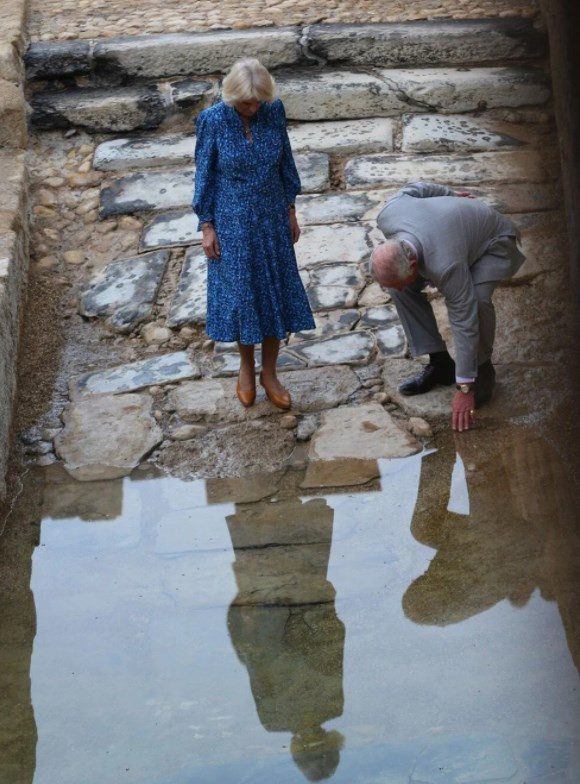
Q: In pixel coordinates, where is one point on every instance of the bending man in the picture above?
(464, 248)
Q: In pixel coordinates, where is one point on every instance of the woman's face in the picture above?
(247, 108)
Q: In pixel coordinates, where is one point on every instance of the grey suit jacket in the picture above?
(461, 242)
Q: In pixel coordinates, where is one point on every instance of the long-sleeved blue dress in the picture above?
(245, 187)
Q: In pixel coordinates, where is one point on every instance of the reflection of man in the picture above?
(284, 626)
(464, 248)
(489, 555)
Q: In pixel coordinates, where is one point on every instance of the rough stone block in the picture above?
(99, 110)
(427, 42)
(125, 290)
(50, 60)
(106, 437)
(349, 442)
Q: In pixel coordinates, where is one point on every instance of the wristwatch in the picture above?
(465, 388)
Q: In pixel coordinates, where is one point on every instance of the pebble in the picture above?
(307, 427)
(127, 223)
(158, 415)
(53, 182)
(420, 428)
(73, 257)
(187, 333)
(288, 421)
(381, 397)
(154, 335)
(47, 262)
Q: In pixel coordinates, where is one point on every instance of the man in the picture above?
(464, 248)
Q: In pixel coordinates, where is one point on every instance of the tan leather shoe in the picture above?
(245, 396)
(280, 401)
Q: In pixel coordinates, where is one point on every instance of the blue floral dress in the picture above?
(245, 187)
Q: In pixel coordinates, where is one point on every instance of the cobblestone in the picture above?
(64, 20)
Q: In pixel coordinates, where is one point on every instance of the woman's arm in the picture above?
(205, 174)
(288, 170)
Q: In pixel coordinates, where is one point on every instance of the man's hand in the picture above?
(294, 227)
(210, 242)
(465, 194)
(463, 407)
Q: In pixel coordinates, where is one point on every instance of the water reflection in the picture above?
(284, 626)
(517, 533)
(195, 631)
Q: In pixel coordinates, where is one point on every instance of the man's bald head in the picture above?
(394, 264)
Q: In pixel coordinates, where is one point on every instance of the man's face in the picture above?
(399, 285)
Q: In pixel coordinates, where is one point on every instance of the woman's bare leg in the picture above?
(247, 375)
(270, 349)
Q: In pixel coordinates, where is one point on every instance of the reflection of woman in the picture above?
(245, 187)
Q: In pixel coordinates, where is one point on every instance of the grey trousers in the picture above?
(419, 323)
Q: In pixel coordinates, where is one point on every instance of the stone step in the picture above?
(458, 133)
(523, 166)
(189, 301)
(118, 60)
(163, 190)
(334, 95)
(179, 228)
(307, 95)
(120, 110)
(344, 137)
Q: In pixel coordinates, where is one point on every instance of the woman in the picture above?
(245, 188)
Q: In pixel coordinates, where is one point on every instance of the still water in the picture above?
(421, 629)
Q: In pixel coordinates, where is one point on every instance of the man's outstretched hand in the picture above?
(463, 408)
(465, 194)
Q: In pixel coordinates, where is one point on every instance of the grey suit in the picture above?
(465, 249)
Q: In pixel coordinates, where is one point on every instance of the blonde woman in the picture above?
(245, 189)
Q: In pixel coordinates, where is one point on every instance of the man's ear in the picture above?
(414, 263)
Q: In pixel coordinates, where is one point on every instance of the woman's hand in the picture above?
(210, 242)
(294, 227)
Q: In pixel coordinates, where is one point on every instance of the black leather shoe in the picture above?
(427, 379)
(485, 383)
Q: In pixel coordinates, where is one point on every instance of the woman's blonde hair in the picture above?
(248, 80)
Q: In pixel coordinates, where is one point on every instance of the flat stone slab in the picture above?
(333, 243)
(215, 400)
(379, 316)
(450, 133)
(338, 275)
(331, 297)
(106, 437)
(328, 324)
(189, 303)
(339, 95)
(125, 290)
(171, 230)
(434, 41)
(494, 167)
(391, 340)
(335, 286)
(164, 369)
(343, 137)
(140, 152)
(227, 363)
(350, 440)
(351, 348)
(164, 190)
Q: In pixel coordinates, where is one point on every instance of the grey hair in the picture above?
(248, 80)
(399, 254)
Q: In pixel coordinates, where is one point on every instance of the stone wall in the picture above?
(563, 21)
(13, 210)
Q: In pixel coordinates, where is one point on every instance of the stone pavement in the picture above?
(114, 228)
(72, 19)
